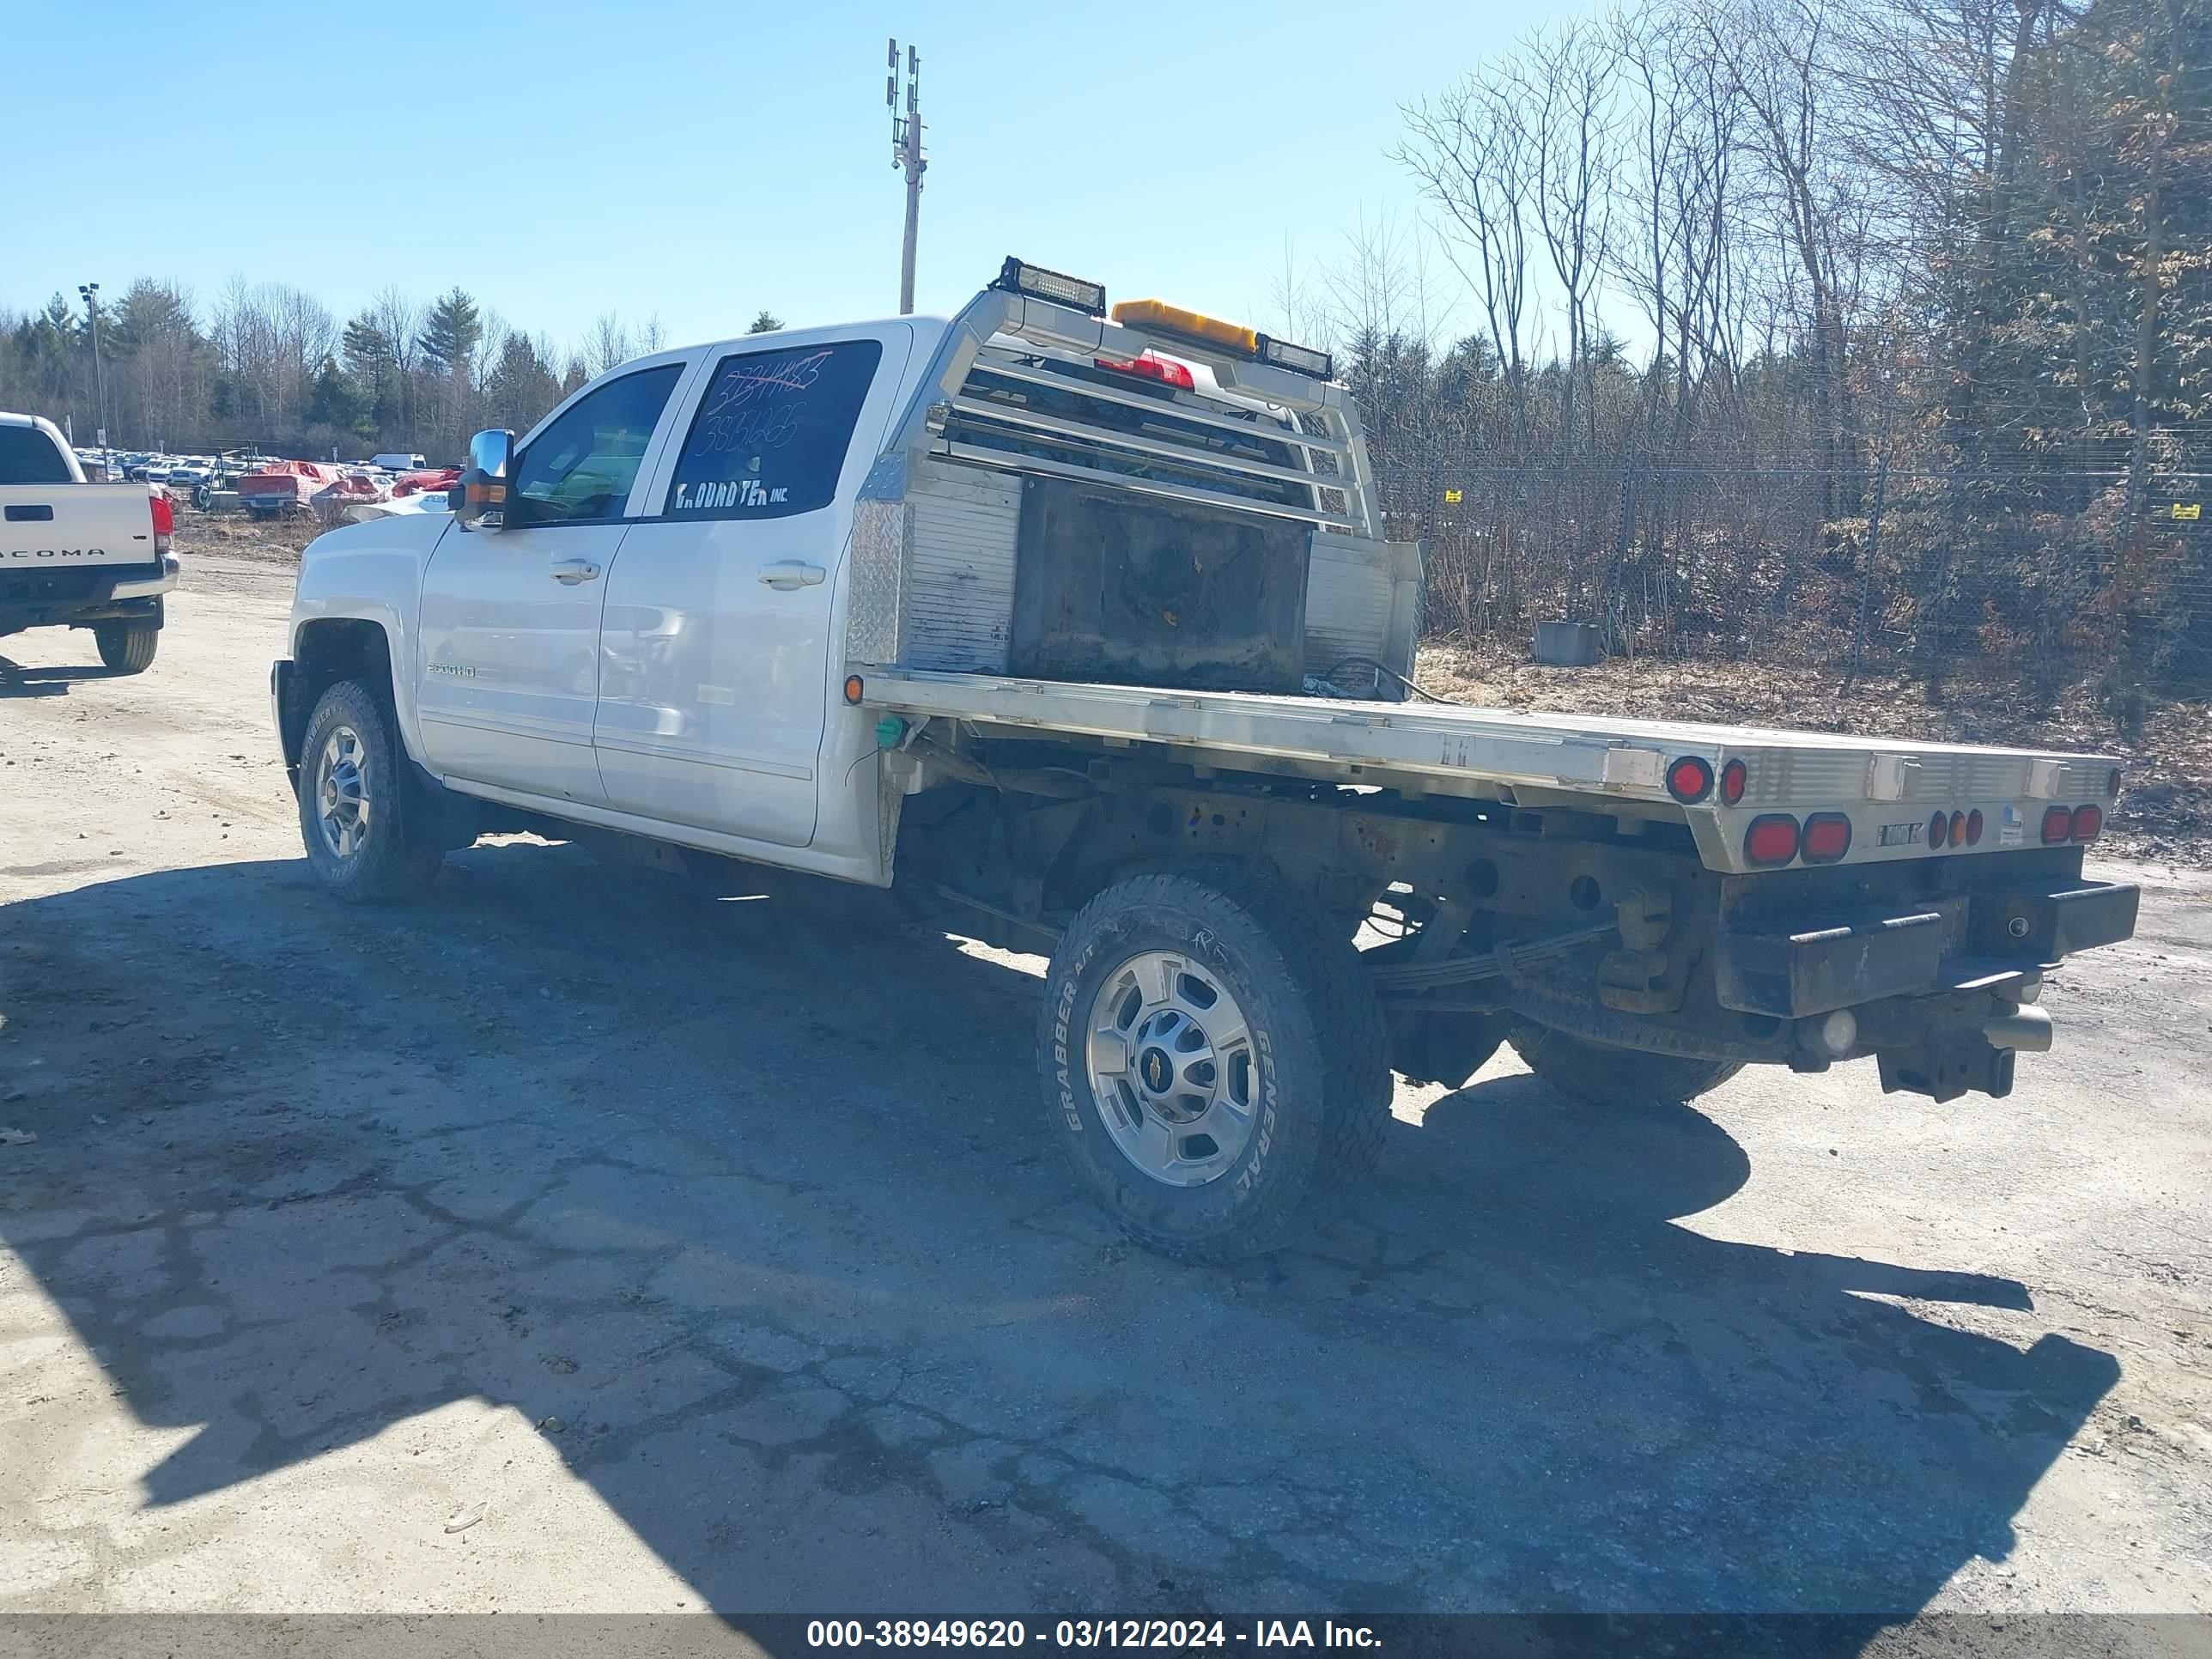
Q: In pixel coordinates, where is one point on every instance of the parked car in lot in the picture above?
(80, 554)
(1089, 625)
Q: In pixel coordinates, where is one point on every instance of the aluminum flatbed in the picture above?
(1891, 789)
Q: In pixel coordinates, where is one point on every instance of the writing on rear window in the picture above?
(771, 432)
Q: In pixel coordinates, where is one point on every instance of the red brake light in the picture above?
(165, 521)
(1689, 780)
(2088, 823)
(1827, 837)
(1153, 368)
(1734, 776)
(1974, 828)
(2057, 825)
(1772, 839)
(1939, 830)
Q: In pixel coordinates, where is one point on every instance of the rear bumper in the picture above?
(96, 594)
(1970, 941)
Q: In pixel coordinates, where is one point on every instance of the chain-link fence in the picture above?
(2041, 577)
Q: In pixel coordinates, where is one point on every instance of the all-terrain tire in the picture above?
(1319, 1058)
(127, 647)
(352, 749)
(1603, 1075)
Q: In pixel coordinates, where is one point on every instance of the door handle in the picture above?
(788, 574)
(572, 571)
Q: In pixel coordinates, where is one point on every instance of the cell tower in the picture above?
(906, 153)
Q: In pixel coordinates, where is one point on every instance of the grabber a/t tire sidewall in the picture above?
(395, 861)
(1320, 1051)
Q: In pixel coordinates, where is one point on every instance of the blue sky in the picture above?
(701, 161)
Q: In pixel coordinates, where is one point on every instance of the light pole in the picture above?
(906, 152)
(91, 293)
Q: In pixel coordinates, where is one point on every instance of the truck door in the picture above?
(510, 625)
(715, 647)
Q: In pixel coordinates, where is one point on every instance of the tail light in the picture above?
(1958, 829)
(165, 523)
(2088, 823)
(1772, 839)
(1827, 837)
(1153, 368)
(2057, 825)
(1974, 828)
(1939, 830)
(1689, 780)
(2113, 782)
(1734, 776)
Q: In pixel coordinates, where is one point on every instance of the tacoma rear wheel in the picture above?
(1604, 1075)
(354, 816)
(127, 647)
(1213, 1059)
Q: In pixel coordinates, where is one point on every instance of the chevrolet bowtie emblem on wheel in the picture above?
(1157, 1074)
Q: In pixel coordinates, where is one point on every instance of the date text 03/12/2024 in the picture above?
(944, 1634)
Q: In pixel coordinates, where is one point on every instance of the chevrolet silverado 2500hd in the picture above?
(1086, 621)
(78, 555)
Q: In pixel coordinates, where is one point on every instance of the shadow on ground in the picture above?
(744, 1194)
(20, 680)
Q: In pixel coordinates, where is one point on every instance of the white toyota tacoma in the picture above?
(78, 555)
(1083, 621)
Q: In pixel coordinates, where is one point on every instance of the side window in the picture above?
(582, 466)
(771, 433)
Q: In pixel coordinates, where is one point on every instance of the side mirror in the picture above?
(480, 503)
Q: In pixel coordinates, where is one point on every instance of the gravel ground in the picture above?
(577, 1240)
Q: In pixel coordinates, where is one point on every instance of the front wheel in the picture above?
(1602, 1075)
(354, 816)
(1215, 1064)
(127, 647)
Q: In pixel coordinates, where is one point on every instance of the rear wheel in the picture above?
(127, 647)
(354, 816)
(1604, 1075)
(1214, 1062)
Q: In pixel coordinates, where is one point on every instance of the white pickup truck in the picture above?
(1084, 623)
(78, 555)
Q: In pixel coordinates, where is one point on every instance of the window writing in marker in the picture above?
(772, 430)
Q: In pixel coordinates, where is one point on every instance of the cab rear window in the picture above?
(772, 430)
(28, 456)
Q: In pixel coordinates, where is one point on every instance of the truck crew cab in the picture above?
(1085, 621)
(78, 555)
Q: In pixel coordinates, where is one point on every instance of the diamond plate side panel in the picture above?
(880, 533)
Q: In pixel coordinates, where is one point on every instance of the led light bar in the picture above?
(1299, 359)
(1016, 278)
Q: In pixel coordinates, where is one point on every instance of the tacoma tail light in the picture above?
(2088, 823)
(1772, 839)
(165, 523)
(2057, 825)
